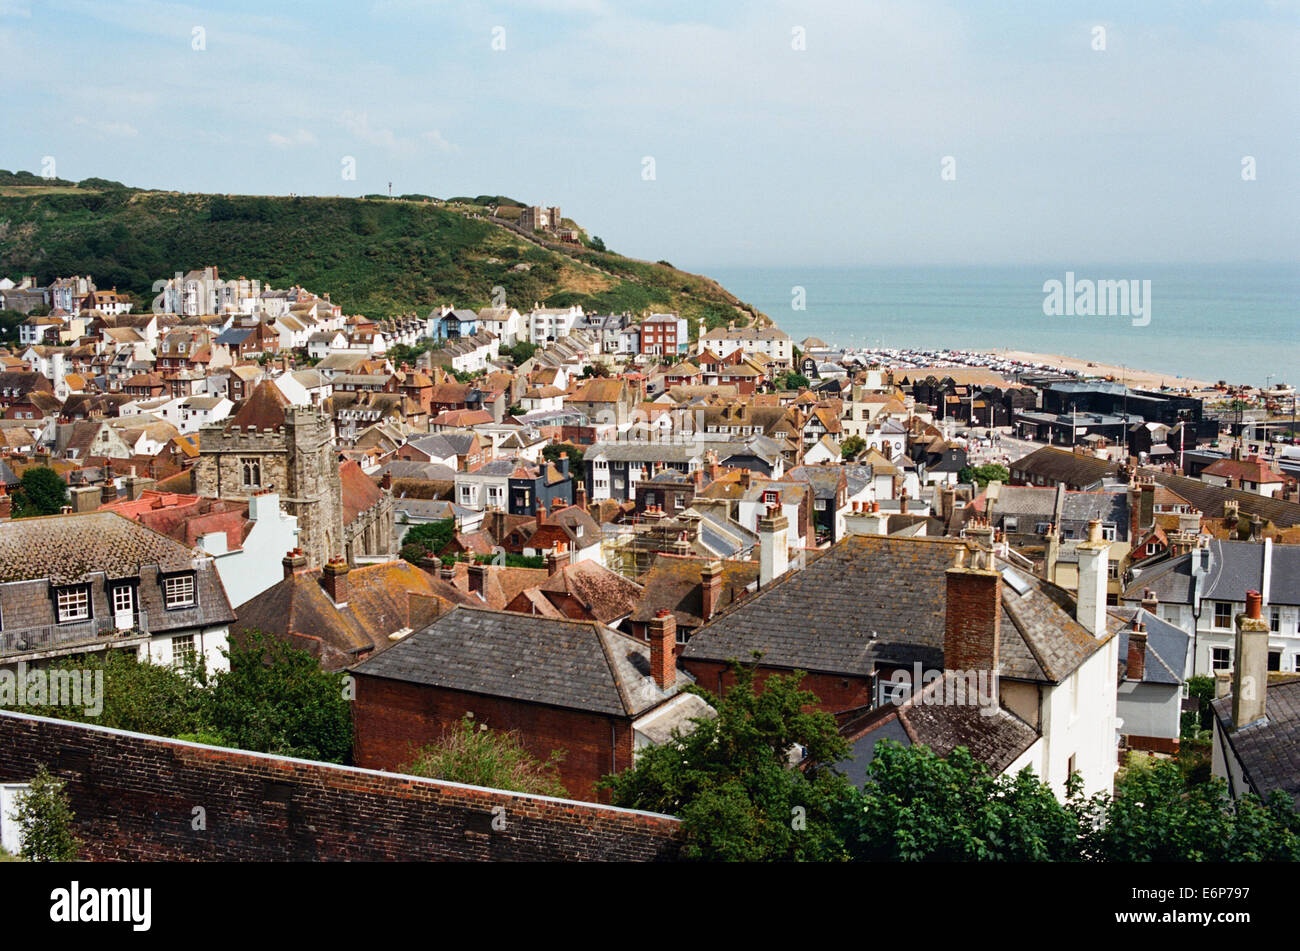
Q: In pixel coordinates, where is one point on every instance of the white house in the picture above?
(256, 564)
(504, 323)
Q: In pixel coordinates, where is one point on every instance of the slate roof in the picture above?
(1209, 500)
(930, 718)
(870, 599)
(382, 599)
(37, 553)
(1268, 751)
(1167, 645)
(674, 582)
(1235, 568)
(68, 549)
(576, 665)
(1061, 465)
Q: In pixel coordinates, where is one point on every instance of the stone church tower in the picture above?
(270, 444)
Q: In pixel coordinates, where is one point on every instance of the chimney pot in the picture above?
(334, 578)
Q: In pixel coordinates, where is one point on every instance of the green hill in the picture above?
(374, 256)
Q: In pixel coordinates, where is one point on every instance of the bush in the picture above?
(478, 756)
(45, 821)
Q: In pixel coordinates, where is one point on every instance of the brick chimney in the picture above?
(1137, 652)
(1149, 601)
(107, 493)
(902, 503)
(663, 648)
(1250, 672)
(6, 505)
(334, 579)
(294, 562)
(558, 560)
(710, 589)
(386, 481)
(972, 615)
(475, 578)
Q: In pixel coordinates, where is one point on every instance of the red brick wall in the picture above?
(837, 693)
(391, 719)
(973, 620)
(134, 798)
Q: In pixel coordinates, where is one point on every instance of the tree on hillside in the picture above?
(45, 820)
(730, 779)
(597, 244)
(478, 756)
(42, 493)
(790, 380)
(852, 446)
(992, 472)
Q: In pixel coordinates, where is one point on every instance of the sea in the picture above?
(1233, 322)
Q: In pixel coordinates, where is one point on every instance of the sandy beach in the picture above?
(1139, 379)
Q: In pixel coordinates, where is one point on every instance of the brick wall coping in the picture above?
(321, 764)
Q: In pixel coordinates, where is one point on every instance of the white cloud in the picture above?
(111, 129)
(300, 137)
(358, 125)
(435, 138)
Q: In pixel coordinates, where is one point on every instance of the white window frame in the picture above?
(184, 650)
(121, 604)
(179, 591)
(75, 599)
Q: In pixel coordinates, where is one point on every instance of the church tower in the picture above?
(270, 444)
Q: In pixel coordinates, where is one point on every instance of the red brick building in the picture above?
(560, 684)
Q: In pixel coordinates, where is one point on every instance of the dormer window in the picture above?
(178, 591)
(73, 604)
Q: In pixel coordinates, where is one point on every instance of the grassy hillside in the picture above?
(373, 255)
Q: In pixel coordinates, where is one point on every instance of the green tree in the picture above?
(852, 446)
(730, 779)
(427, 539)
(918, 806)
(42, 492)
(521, 352)
(597, 244)
(496, 759)
(552, 452)
(45, 820)
(992, 472)
(1156, 817)
(276, 699)
(790, 380)
(138, 696)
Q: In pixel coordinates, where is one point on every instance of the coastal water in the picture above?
(1234, 322)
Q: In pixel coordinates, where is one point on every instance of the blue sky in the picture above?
(763, 154)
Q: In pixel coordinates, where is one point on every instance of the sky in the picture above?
(710, 134)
